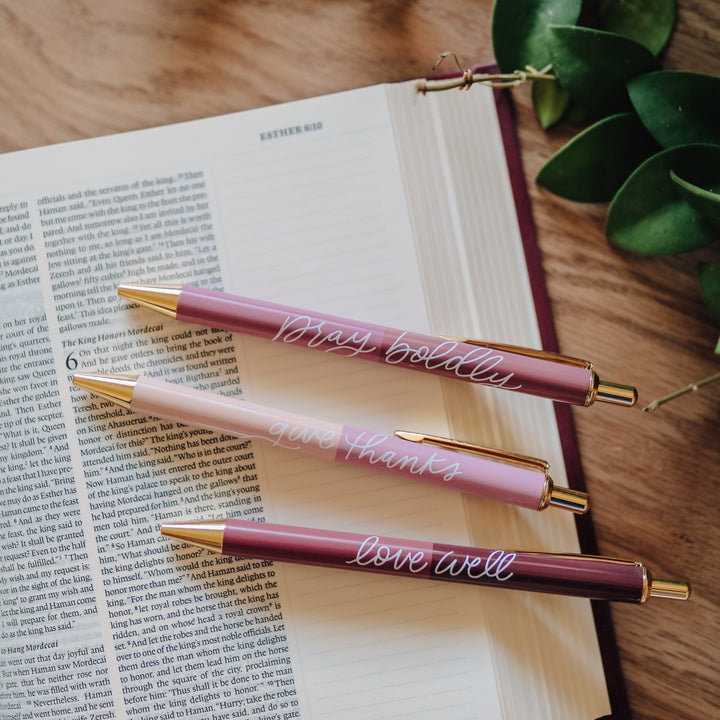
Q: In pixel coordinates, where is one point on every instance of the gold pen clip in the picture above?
(528, 352)
(566, 498)
(507, 456)
(598, 390)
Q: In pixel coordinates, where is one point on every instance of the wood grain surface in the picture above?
(73, 69)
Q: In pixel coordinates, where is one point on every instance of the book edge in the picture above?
(605, 631)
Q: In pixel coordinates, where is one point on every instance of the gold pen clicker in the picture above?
(552, 496)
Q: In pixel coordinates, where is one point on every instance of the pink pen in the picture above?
(504, 477)
(561, 574)
(503, 366)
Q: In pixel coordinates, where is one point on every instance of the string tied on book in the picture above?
(522, 76)
(467, 77)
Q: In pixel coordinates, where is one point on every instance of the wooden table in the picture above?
(74, 69)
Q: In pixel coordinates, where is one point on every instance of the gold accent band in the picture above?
(117, 388)
(161, 298)
(612, 393)
(206, 534)
(568, 499)
(671, 589)
(616, 394)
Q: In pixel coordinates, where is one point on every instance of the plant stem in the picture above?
(683, 391)
(468, 78)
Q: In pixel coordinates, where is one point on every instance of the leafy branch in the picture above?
(652, 148)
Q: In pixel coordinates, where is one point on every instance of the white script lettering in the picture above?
(372, 552)
(297, 435)
(370, 448)
(492, 567)
(476, 364)
(312, 333)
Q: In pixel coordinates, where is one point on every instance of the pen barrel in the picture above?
(463, 472)
(573, 575)
(235, 417)
(349, 338)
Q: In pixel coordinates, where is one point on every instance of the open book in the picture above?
(379, 204)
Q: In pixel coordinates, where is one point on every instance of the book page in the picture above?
(301, 204)
(476, 282)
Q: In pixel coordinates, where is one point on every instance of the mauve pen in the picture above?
(577, 575)
(503, 366)
(518, 483)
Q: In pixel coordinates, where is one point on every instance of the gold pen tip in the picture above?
(117, 388)
(161, 298)
(206, 534)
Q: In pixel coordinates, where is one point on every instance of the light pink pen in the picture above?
(502, 366)
(525, 483)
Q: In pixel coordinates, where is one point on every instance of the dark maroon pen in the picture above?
(577, 575)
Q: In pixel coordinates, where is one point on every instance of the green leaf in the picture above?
(594, 66)
(705, 202)
(550, 100)
(520, 34)
(709, 276)
(678, 107)
(649, 22)
(595, 163)
(649, 215)
(577, 115)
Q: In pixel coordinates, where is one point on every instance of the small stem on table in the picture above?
(683, 391)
